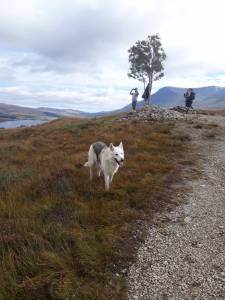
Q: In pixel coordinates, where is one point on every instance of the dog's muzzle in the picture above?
(120, 163)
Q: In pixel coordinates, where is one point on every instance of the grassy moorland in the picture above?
(62, 237)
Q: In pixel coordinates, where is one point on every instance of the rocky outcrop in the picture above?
(149, 113)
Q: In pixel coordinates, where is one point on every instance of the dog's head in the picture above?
(117, 153)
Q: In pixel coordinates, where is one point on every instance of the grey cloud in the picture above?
(72, 34)
(86, 101)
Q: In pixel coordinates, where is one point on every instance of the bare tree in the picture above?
(146, 60)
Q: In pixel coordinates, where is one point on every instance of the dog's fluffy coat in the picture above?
(106, 159)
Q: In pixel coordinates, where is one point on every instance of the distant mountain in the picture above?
(10, 112)
(216, 100)
(13, 112)
(210, 97)
(57, 112)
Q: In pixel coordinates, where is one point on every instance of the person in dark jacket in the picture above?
(145, 95)
(189, 96)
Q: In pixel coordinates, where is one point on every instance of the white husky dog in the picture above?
(106, 160)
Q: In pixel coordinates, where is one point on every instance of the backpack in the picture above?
(192, 96)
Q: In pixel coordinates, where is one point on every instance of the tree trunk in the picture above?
(149, 89)
(144, 83)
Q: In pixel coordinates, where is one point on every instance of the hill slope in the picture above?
(71, 113)
(184, 257)
(10, 112)
(62, 237)
(13, 112)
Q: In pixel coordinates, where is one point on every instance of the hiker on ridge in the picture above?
(134, 93)
(189, 96)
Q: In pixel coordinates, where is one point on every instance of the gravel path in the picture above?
(186, 260)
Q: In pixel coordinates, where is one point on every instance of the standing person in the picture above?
(189, 96)
(145, 95)
(134, 93)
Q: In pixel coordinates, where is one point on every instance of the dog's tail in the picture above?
(91, 158)
(87, 164)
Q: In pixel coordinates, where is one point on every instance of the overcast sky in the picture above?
(73, 53)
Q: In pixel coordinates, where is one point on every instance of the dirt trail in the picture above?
(186, 260)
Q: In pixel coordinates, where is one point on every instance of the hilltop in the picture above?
(209, 97)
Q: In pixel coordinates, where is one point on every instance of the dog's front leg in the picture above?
(111, 178)
(91, 173)
(99, 171)
(107, 181)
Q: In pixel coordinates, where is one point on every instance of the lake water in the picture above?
(18, 123)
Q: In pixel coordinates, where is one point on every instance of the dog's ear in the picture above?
(121, 145)
(111, 147)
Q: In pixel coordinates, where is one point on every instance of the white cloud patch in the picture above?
(74, 53)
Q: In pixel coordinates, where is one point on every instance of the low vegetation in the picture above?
(62, 237)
